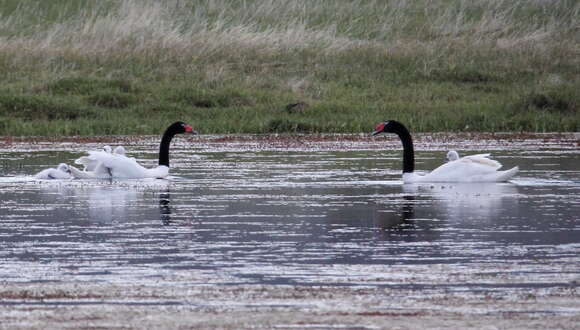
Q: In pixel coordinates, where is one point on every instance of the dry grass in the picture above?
(185, 31)
(304, 50)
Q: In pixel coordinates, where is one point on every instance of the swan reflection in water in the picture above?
(165, 208)
(110, 205)
(460, 201)
(450, 202)
(397, 220)
(110, 202)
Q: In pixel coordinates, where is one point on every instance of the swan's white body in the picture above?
(62, 172)
(117, 166)
(475, 168)
(464, 170)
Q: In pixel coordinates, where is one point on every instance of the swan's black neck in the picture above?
(408, 152)
(165, 142)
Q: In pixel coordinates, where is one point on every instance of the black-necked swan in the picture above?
(119, 166)
(61, 172)
(453, 171)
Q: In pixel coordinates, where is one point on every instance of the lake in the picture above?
(302, 210)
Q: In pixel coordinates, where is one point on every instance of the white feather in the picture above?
(59, 173)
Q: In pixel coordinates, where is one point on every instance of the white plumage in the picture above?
(93, 166)
(474, 168)
(117, 166)
(61, 172)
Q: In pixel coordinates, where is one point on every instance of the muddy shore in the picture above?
(162, 305)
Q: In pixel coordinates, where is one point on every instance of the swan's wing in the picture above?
(88, 163)
(97, 174)
(482, 159)
(102, 171)
(78, 174)
(91, 161)
(458, 171)
(497, 176)
(119, 166)
(506, 175)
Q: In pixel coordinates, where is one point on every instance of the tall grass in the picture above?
(234, 66)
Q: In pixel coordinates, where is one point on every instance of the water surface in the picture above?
(245, 212)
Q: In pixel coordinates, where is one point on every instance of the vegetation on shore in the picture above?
(227, 66)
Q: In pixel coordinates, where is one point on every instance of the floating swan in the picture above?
(118, 166)
(61, 172)
(477, 168)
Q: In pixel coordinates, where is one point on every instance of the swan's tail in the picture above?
(506, 175)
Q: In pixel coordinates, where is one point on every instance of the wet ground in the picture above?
(292, 232)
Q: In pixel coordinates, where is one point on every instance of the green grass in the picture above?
(132, 67)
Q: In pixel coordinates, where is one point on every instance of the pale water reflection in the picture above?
(313, 217)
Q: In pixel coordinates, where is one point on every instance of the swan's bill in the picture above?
(189, 130)
(380, 128)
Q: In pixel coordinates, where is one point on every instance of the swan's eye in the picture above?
(380, 127)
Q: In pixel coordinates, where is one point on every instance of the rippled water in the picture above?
(319, 213)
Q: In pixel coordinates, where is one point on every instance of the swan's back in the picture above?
(460, 169)
(482, 159)
(117, 165)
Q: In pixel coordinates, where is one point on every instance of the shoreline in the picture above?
(571, 139)
(93, 305)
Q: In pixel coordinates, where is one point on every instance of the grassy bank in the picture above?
(228, 66)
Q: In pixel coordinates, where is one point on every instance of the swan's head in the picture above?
(63, 168)
(107, 149)
(390, 126)
(180, 127)
(452, 155)
(120, 150)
